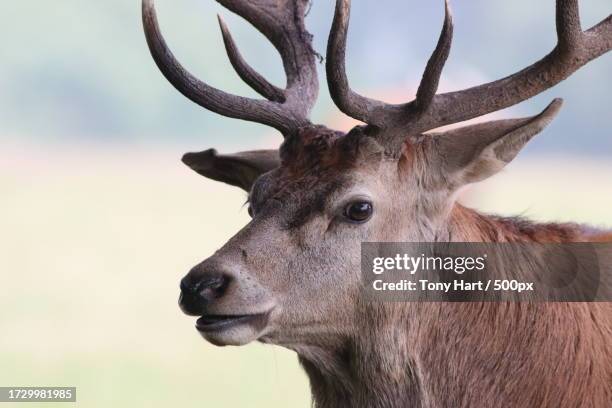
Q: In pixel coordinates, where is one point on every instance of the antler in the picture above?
(575, 48)
(282, 22)
(368, 110)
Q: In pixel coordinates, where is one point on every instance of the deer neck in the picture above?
(467, 225)
(381, 364)
(363, 373)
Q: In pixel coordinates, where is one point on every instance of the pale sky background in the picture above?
(79, 70)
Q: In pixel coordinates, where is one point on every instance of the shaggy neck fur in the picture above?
(472, 354)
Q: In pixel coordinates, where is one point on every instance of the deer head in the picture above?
(291, 276)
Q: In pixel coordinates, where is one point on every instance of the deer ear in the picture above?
(239, 169)
(474, 153)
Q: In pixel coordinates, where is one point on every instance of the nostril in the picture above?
(213, 286)
(202, 286)
(206, 285)
(198, 290)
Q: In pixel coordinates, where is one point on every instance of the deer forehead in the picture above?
(295, 198)
(320, 173)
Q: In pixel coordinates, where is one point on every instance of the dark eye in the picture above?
(359, 211)
(250, 211)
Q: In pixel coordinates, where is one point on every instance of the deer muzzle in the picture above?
(232, 308)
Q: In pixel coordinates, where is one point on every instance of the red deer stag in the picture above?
(291, 276)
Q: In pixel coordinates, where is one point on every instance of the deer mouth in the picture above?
(214, 323)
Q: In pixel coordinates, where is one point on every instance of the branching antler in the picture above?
(282, 22)
(369, 110)
(575, 48)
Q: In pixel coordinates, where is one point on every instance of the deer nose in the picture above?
(199, 288)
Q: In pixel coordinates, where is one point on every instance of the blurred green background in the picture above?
(99, 220)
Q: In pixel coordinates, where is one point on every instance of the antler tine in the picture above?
(431, 77)
(282, 22)
(372, 111)
(354, 105)
(575, 48)
(246, 72)
(569, 30)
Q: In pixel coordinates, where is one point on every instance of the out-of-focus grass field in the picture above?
(92, 250)
(94, 241)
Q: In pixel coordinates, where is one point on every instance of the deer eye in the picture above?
(359, 211)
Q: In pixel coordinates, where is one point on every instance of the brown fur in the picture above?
(291, 276)
(359, 353)
(476, 354)
(425, 354)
